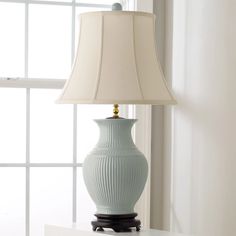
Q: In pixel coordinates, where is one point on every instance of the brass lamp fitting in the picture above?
(116, 111)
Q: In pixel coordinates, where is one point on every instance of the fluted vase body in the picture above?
(115, 171)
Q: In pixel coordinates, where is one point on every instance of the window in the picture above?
(43, 144)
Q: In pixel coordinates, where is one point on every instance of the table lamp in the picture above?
(116, 63)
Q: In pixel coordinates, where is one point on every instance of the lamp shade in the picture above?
(116, 61)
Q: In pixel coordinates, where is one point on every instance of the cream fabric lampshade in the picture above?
(116, 61)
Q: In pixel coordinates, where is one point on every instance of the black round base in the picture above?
(119, 223)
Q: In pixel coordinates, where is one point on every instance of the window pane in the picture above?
(12, 125)
(49, 41)
(87, 131)
(12, 201)
(51, 198)
(51, 127)
(85, 206)
(12, 17)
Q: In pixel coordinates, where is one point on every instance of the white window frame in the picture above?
(142, 133)
(143, 136)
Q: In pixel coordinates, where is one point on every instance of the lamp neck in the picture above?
(115, 133)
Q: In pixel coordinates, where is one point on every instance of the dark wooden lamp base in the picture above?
(119, 223)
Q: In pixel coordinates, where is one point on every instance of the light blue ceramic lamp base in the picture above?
(115, 171)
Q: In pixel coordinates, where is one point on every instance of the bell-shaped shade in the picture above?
(116, 61)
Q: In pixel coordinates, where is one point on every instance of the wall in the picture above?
(203, 200)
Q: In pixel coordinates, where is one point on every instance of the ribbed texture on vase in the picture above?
(115, 171)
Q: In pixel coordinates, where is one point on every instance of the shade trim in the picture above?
(146, 102)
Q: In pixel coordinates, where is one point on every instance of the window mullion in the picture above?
(30, 165)
(74, 209)
(32, 83)
(27, 199)
(74, 190)
(59, 3)
(27, 214)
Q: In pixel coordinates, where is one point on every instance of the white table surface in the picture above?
(81, 230)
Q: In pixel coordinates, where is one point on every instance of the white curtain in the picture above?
(203, 149)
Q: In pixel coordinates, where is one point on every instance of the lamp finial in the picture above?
(116, 7)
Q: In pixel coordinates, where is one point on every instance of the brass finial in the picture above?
(116, 111)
